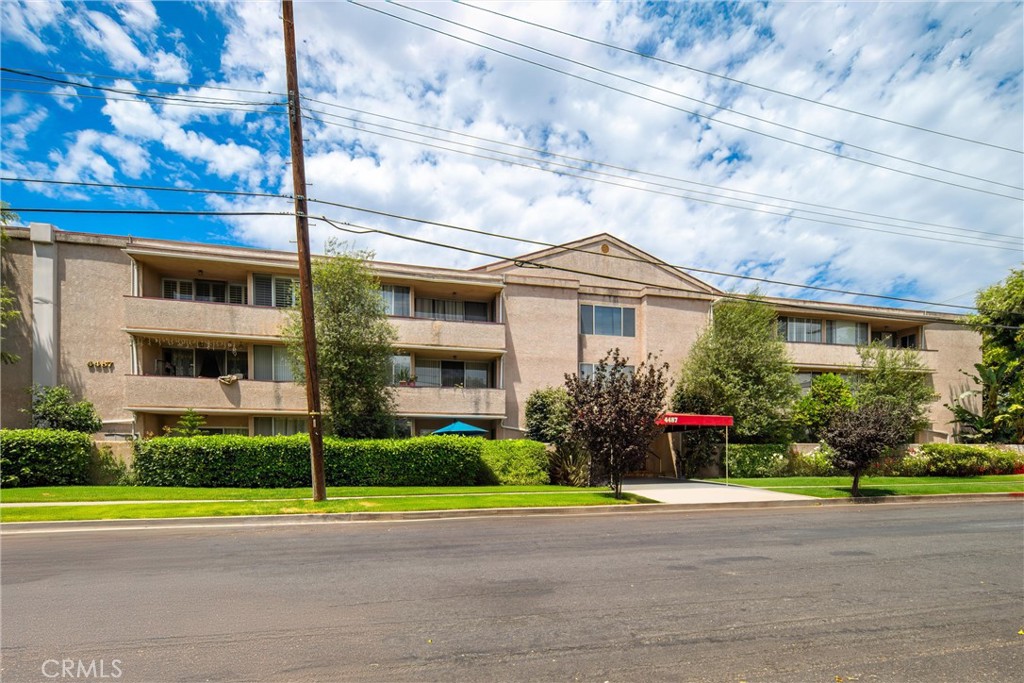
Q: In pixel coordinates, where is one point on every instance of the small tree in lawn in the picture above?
(613, 415)
(863, 435)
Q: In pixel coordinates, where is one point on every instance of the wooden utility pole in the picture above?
(316, 436)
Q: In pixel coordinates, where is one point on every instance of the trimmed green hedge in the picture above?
(518, 462)
(44, 457)
(951, 460)
(758, 460)
(283, 461)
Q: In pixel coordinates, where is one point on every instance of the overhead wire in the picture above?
(694, 113)
(737, 81)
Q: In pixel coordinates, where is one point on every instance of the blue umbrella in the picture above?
(460, 429)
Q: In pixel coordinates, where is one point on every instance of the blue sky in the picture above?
(637, 147)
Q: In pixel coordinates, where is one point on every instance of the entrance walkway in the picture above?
(695, 491)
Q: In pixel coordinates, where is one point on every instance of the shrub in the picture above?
(56, 408)
(283, 461)
(758, 460)
(817, 463)
(569, 465)
(518, 462)
(44, 457)
(963, 460)
(547, 415)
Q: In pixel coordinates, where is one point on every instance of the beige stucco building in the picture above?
(146, 329)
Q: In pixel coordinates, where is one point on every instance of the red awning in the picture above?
(674, 420)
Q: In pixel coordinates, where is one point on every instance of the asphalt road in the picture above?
(930, 592)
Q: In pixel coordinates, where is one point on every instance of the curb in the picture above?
(14, 528)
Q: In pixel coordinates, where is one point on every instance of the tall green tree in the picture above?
(8, 304)
(898, 375)
(354, 345)
(991, 406)
(613, 415)
(829, 395)
(738, 366)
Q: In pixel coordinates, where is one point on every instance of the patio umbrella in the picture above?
(460, 429)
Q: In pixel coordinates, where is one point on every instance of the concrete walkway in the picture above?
(695, 491)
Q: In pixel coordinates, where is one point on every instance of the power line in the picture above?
(136, 79)
(1000, 239)
(995, 242)
(183, 103)
(687, 111)
(748, 84)
(485, 233)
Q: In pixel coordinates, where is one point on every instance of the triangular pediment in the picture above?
(602, 261)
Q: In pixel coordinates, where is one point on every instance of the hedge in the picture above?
(44, 457)
(283, 461)
(758, 460)
(518, 462)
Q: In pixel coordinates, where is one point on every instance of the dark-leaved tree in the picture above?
(862, 435)
(613, 413)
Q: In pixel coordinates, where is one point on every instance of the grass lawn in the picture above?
(393, 503)
(63, 494)
(839, 487)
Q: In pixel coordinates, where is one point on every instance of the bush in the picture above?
(56, 408)
(44, 457)
(516, 463)
(569, 465)
(758, 460)
(962, 460)
(283, 461)
(817, 463)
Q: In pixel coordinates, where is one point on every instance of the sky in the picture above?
(869, 147)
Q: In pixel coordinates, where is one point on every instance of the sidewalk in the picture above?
(695, 491)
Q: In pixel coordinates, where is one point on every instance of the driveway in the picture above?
(695, 491)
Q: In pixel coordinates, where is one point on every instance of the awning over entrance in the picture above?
(674, 421)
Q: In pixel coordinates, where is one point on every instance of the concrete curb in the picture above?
(12, 528)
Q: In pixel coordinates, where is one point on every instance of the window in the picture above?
(845, 332)
(274, 290)
(178, 289)
(800, 329)
(396, 299)
(209, 290)
(203, 363)
(271, 364)
(237, 431)
(285, 426)
(614, 321)
(587, 370)
(884, 338)
(446, 309)
(401, 368)
(453, 373)
(238, 294)
(403, 428)
(908, 341)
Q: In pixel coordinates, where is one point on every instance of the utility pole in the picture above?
(316, 437)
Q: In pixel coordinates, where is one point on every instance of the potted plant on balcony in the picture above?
(406, 378)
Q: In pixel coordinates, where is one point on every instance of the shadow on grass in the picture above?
(867, 494)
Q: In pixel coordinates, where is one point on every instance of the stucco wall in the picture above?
(956, 348)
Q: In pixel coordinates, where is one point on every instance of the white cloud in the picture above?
(65, 96)
(169, 67)
(24, 21)
(104, 35)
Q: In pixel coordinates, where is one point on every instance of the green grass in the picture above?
(146, 510)
(839, 487)
(62, 494)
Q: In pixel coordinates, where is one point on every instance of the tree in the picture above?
(56, 408)
(738, 366)
(899, 375)
(862, 435)
(354, 345)
(8, 305)
(190, 423)
(999, 417)
(547, 415)
(613, 415)
(829, 395)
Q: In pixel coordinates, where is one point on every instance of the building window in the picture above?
(396, 300)
(612, 321)
(800, 329)
(271, 364)
(908, 341)
(886, 339)
(205, 290)
(845, 332)
(274, 290)
(447, 309)
(178, 289)
(275, 426)
(203, 363)
(453, 373)
(403, 428)
(401, 369)
(587, 370)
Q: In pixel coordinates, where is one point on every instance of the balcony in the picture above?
(838, 357)
(449, 401)
(160, 394)
(201, 318)
(448, 334)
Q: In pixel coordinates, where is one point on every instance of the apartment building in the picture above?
(147, 328)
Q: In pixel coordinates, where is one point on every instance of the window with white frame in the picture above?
(216, 291)
(846, 332)
(401, 368)
(613, 321)
(396, 300)
(453, 373)
(800, 329)
(274, 290)
(587, 370)
(283, 426)
(270, 363)
(181, 290)
(448, 309)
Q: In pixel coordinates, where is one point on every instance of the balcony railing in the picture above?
(423, 332)
(837, 356)
(420, 400)
(159, 393)
(200, 317)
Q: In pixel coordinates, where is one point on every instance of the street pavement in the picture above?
(694, 492)
(915, 592)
